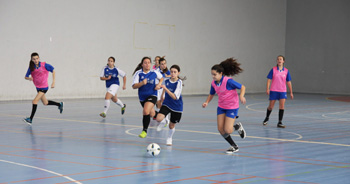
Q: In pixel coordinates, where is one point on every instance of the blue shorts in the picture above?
(277, 95)
(232, 113)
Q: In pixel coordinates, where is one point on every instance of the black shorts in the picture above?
(175, 117)
(152, 99)
(42, 90)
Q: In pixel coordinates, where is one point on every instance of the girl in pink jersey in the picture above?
(39, 72)
(278, 77)
(228, 102)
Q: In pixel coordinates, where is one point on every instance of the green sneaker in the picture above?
(143, 134)
(103, 114)
(123, 109)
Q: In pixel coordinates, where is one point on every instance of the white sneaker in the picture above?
(160, 126)
(241, 130)
(169, 141)
(166, 122)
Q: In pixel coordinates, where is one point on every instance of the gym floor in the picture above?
(78, 146)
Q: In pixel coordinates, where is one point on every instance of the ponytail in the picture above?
(229, 67)
(139, 66)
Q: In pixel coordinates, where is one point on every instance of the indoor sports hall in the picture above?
(79, 146)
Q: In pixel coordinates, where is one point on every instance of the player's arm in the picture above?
(27, 76)
(241, 95)
(268, 86)
(209, 98)
(53, 79)
(289, 84)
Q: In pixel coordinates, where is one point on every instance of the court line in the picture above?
(190, 131)
(52, 172)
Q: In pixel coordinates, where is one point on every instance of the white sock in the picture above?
(168, 118)
(120, 103)
(107, 103)
(171, 133)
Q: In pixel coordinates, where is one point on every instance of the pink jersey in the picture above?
(40, 76)
(279, 79)
(228, 99)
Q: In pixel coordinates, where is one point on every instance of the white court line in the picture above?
(192, 131)
(340, 112)
(248, 107)
(52, 172)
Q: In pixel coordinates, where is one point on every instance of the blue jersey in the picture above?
(176, 88)
(114, 72)
(148, 89)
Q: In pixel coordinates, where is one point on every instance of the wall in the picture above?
(317, 45)
(77, 37)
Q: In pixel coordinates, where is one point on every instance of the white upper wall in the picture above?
(78, 36)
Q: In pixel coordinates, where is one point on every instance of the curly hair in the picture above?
(229, 67)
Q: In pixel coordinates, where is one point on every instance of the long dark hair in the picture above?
(31, 63)
(139, 66)
(229, 67)
(165, 69)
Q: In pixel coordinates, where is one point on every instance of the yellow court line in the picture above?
(192, 131)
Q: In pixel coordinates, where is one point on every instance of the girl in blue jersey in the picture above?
(163, 69)
(39, 72)
(172, 102)
(110, 74)
(228, 102)
(144, 80)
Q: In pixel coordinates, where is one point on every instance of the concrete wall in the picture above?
(318, 45)
(77, 37)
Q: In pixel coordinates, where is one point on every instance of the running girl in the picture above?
(278, 77)
(228, 102)
(110, 74)
(39, 72)
(163, 69)
(172, 102)
(144, 80)
(156, 63)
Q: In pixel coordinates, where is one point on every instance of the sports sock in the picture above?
(229, 140)
(33, 111)
(107, 103)
(268, 112)
(280, 115)
(145, 121)
(53, 103)
(119, 103)
(155, 116)
(171, 133)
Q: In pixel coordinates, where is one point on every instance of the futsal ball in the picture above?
(153, 149)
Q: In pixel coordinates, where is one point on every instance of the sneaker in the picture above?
(241, 130)
(28, 120)
(232, 149)
(143, 134)
(281, 125)
(160, 126)
(61, 107)
(265, 121)
(103, 115)
(123, 109)
(166, 122)
(169, 141)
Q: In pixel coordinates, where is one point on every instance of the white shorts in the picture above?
(113, 89)
(160, 91)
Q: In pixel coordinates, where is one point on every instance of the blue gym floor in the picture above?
(79, 146)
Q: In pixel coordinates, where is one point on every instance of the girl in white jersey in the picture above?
(110, 74)
(172, 102)
(278, 77)
(144, 80)
(228, 103)
(39, 72)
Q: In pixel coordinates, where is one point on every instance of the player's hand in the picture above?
(243, 100)
(53, 85)
(144, 82)
(163, 86)
(124, 87)
(205, 104)
(268, 92)
(109, 77)
(291, 96)
(157, 87)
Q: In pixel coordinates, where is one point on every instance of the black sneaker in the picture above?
(232, 149)
(265, 121)
(28, 120)
(281, 125)
(241, 130)
(61, 107)
(123, 109)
